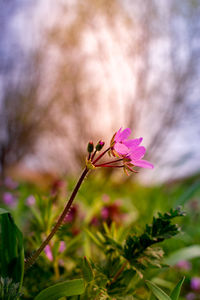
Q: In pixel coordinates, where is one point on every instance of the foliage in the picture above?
(66, 288)
(8, 289)
(11, 249)
(114, 275)
(106, 240)
(161, 295)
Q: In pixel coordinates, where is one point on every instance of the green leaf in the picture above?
(87, 270)
(176, 291)
(95, 238)
(11, 249)
(160, 294)
(183, 254)
(163, 283)
(66, 288)
(188, 194)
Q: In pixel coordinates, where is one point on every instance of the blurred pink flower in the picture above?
(110, 212)
(58, 188)
(9, 199)
(30, 200)
(62, 246)
(184, 265)
(10, 183)
(190, 296)
(195, 283)
(129, 149)
(95, 222)
(105, 213)
(105, 198)
(48, 252)
(73, 213)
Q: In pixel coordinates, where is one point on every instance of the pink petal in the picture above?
(116, 139)
(62, 246)
(124, 134)
(48, 252)
(143, 164)
(121, 149)
(133, 143)
(137, 153)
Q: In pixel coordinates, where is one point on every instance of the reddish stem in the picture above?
(109, 162)
(131, 169)
(119, 272)
(32, 259)
(108, 166)
(100, 156)
(93, 155)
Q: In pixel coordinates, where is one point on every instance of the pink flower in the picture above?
(62, 246)
(122, 145)
(30, 200)
(105, 213)
(190, 296)
(129, 150)
(48, 252)
(9, 199)
(195, 283)
(10, 183)
(184, 265)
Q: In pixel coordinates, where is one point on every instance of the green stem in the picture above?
(30, 261)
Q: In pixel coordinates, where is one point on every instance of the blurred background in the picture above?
(72, 71)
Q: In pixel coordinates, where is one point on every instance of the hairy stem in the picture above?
(119, 272)
(30, 261)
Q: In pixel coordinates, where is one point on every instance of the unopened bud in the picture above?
(100, 145)
(90, 147)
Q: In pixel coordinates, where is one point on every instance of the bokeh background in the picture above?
(72, 71)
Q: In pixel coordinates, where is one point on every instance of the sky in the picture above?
(108, 50)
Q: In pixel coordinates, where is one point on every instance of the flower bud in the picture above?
(90, 147)
(100, 145)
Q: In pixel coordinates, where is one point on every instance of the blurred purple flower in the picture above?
(9, 199)
(10, 183)
(110, 212)
(184, 265)
(62, 246)
(48, 252)
(195, 283)
(58, 188)
(95, 222)
(106, 198)
(72, 214)
(190, 296)
(105, 213)
(30, 200)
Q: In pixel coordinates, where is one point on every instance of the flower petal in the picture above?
(143, 164)
(121, 149)
(125, 134)
(133, 143)
(121, 136)
(137, 153)
(116, 138)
